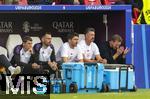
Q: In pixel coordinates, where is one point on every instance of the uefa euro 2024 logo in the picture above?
(26, 27)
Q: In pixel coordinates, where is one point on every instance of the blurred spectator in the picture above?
(1, 1)
(123, 2)
(106, 2)
(92, 2)
(120, 2)
(23, 2)
(8, 2)
(136, 5)
(11, 1)
(44, 2)
(144, 7)
(75, 2)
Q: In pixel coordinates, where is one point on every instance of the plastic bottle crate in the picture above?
(111, 79)
(88, 77)
(73, 72)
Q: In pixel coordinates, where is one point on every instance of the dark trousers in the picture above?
(4, 61)
(44, 69)
(47, 70)
(28, 70)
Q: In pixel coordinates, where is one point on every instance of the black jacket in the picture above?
(15, 61)
(35, 56)
(107, 52)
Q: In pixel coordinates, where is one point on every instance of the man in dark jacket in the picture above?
(44, 55)
(22, 54)
(112, 51)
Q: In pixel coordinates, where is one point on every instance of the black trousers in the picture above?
(4, 61)
(47, 70)
(44, 69)
(28, 70)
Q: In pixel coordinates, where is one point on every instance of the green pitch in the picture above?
(140, 94)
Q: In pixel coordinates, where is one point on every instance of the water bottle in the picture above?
(51, 86)
(57, 88)
(63, 86)
(73, 88)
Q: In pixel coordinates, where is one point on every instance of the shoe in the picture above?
(14, 70)
(17, 70)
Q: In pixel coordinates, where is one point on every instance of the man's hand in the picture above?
(53, 65)
(104, 61)
(35, 66)
(125, 52)
(31, 50)
(120, 50)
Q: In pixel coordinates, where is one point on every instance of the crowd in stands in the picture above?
(136, 4)
(75, 2)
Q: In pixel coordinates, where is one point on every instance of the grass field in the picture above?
(140, 94)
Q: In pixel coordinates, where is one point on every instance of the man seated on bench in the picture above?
(22, 54)
(70, 51)
(89, 48)
(113, 51)
(44, 56)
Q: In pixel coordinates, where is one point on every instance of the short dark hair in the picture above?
(45, 34)
(26, 38)
(71, 35)
(87, 30)
(116, 37)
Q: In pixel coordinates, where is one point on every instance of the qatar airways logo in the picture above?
(63, 26)
(6, 27)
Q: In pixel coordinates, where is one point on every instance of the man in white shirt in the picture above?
(70, 51)
(89, 48)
